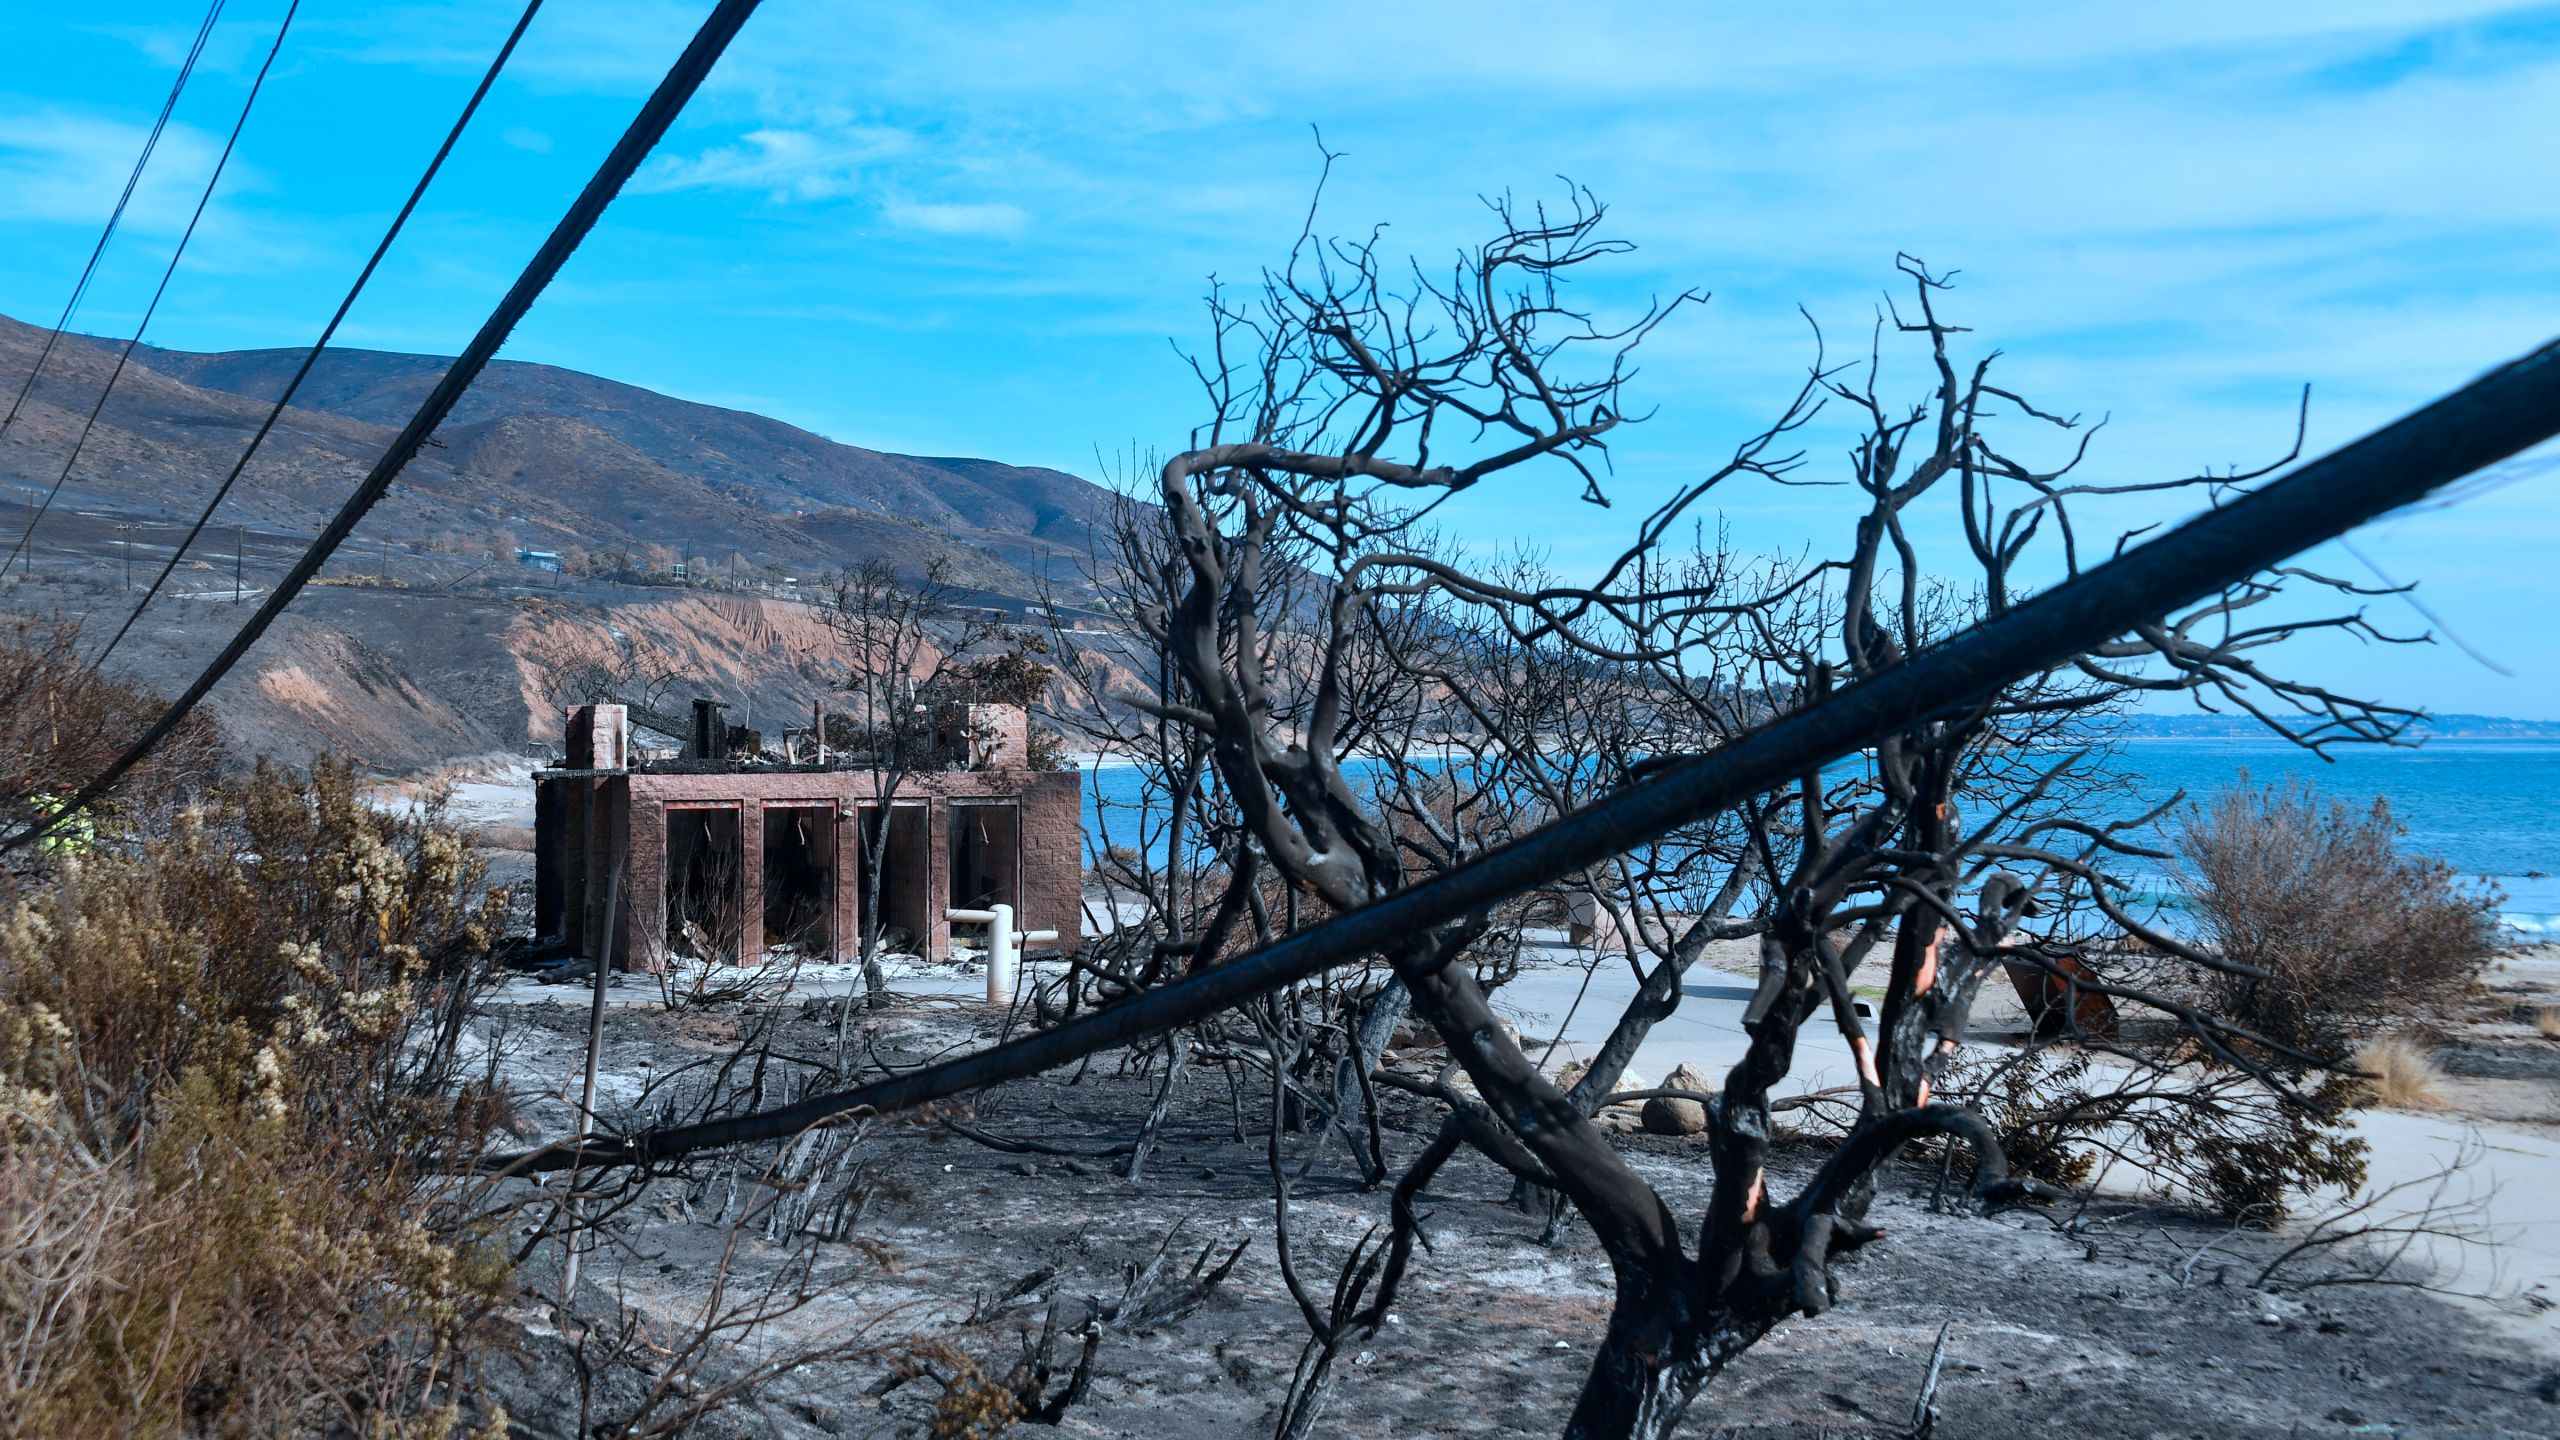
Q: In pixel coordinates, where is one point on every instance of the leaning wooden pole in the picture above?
(2496, 416)
(602, 961)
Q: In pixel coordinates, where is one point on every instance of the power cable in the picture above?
(312, 356)
(646, 129)
(168, 273)
(151, 142)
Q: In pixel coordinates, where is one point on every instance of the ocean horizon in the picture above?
(2487, 806)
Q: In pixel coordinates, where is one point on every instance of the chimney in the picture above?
(710, 732)
(982, 736)
(598, 737)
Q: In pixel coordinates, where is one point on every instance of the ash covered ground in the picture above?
(934, 1259)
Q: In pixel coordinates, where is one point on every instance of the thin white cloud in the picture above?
(61, 166)
(612, 47)
(780, 162)
(955, 219)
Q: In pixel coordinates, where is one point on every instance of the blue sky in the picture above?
(975, 229)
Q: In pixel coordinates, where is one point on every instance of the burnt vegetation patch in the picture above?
(979, 1239)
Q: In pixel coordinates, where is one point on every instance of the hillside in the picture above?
(550, 419)
(2243, 727)
(422, 639)
(538, 456)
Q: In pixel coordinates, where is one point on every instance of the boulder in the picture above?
(1573, 1071)
(1666, 1115)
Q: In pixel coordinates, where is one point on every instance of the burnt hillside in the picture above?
(424, 638)
(535, 455)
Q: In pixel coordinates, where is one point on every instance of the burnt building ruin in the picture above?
(729, 852)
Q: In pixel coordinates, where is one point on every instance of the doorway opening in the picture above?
(705, 882)
(800, 880)
(985, 853)
(901, 842)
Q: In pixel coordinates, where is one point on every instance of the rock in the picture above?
(1664, 1115)
(1411, 1034)
(1573, 1071)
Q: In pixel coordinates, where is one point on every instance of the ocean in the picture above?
(2488, 807)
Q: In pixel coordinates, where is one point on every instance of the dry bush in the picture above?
(974, 1405)
(2040, 1100)
(2546, 1022)
(225, 1057)
(66, 723)
(2350, 932)
(2199, 1128)
(688, 982)
(1122, 862)
(500, 837)
(2399, 1074)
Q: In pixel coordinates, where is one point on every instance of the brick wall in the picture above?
(1004, 737)
(644, 886)
(983, 737)
(597, 737)
(1050, 893)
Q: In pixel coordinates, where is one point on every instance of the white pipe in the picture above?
(1000, 957)
(1004, 947)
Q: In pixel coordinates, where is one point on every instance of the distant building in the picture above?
(540, 560)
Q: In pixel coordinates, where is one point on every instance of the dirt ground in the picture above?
(2122, 1318)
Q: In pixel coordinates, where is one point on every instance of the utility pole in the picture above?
(32, 512)
(124, 537)
(239, 539)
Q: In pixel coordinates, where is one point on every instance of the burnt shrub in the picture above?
(2350, 932)
(2244, 1145)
